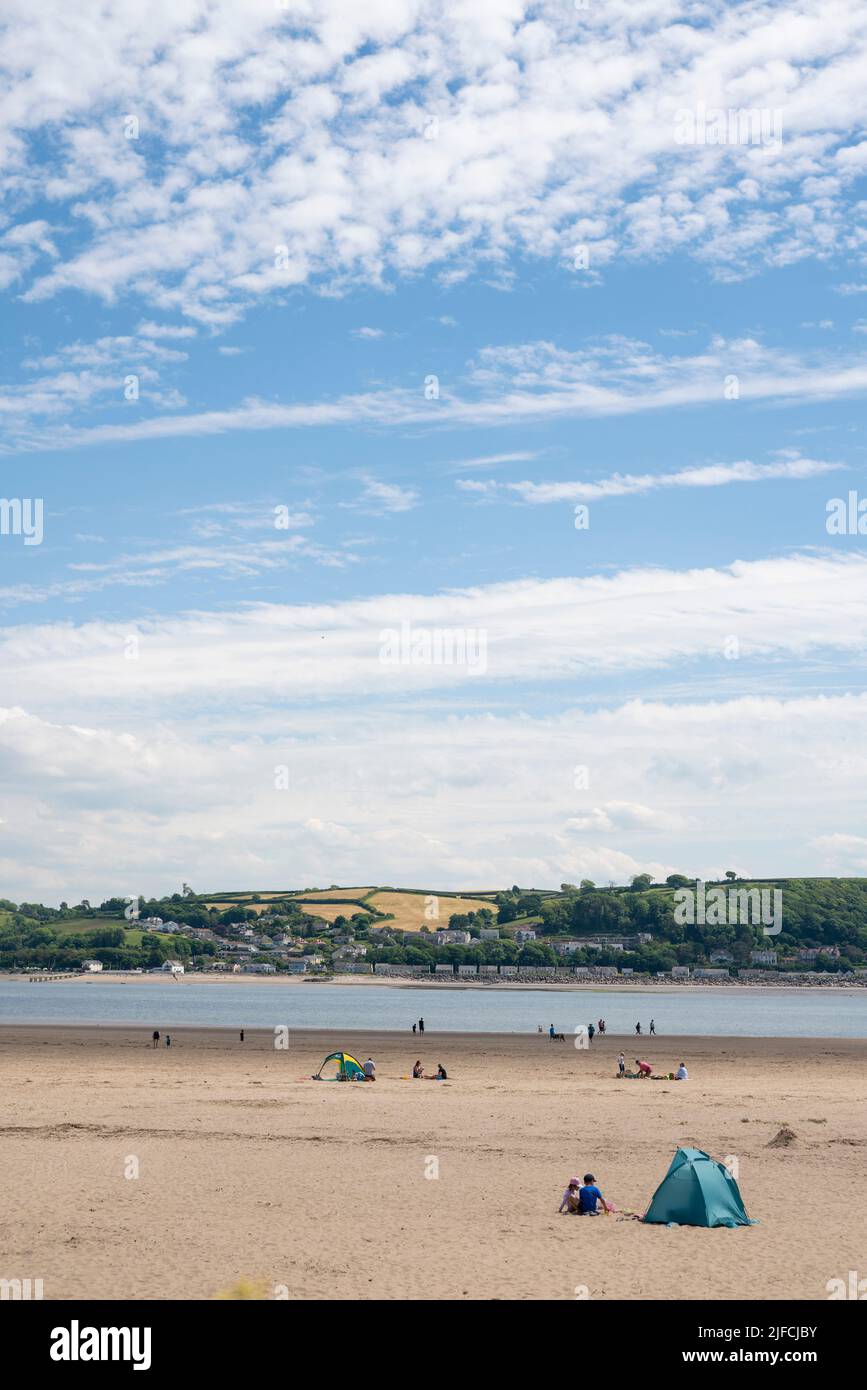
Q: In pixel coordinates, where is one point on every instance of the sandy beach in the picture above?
(249, 1170)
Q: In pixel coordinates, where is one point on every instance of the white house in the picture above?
(172, 967)
(525, 934)
(763, 957)
(91, 967)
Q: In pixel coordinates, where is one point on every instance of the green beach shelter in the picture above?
(697, 1191)
(340, 1066)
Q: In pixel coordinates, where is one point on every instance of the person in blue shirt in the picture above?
(589, 1195)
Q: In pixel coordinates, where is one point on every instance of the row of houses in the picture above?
(509, 971)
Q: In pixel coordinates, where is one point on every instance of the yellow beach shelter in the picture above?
(340, 1066)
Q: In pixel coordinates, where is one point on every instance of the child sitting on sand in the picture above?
(589, 1195)
(571, 1198)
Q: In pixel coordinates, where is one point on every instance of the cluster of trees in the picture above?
(815, 913)
(35, 944)
(472, 921)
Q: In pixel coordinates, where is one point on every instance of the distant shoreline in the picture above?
(405, 982)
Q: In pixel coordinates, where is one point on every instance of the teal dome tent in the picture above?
(697, 1191)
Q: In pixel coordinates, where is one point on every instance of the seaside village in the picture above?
(264, 946)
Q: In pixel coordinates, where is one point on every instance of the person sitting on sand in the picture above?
(571, 1202)
(442, 1074)
(644, 1068)
(681, 1074)
(370, 1070)
(417, 1071)
(589, 1195)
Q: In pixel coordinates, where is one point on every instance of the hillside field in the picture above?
(409, 908)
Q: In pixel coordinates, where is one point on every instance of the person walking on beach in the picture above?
(652, 1026)
(551, 1032)
(168, 1039)
(621, 1064)
(601, 1026)
(156, 1038)
(414, 1026)
(590, 1031)
(242, 1035)
(421, 1025)
(638, 1027)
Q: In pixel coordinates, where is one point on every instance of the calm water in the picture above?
(172, 1004)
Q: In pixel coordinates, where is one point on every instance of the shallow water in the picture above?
(176, 1003)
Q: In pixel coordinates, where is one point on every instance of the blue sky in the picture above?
(320, 213)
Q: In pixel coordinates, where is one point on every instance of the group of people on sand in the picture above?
(583, 1199)
(419, 1073)
(651, 1029)
(644, 1069)
(418, 1027)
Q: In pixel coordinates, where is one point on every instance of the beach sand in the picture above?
(249, 1171)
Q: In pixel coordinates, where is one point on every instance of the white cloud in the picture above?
(593, 628)
(406, 137)
(705, 475)
(524, 382)
(381, 497)
(841, 852)
(392, 794)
